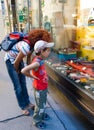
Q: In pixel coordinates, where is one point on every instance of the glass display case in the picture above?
(71, 64)
(75, 77)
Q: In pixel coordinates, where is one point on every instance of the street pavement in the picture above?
(11, 118)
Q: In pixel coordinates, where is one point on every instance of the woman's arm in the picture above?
(18, 59)
(29, 57)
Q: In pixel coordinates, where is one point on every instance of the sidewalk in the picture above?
(11, 117)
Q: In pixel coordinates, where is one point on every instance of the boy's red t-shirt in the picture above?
(41, 73)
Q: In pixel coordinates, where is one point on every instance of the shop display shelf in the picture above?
(81, 98)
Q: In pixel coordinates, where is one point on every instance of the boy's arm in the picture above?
(27, 70)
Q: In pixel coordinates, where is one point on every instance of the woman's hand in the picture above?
(16, 66)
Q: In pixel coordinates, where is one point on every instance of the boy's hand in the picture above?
(35, 77)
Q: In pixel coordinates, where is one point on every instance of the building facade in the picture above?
(65, 19)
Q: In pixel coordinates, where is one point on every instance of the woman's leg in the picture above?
(22, 79)
(16, 83)
(24, 89)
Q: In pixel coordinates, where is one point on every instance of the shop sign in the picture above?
(21, 16)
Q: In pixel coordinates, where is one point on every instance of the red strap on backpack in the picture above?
(14, 36)
(26, 40)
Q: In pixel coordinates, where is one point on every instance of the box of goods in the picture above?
(68, 55)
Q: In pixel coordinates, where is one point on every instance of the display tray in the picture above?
(83, 99)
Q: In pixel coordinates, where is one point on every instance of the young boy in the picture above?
(36, 70)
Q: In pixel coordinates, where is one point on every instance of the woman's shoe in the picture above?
(30, 106)
(25, 112)
(40, 125)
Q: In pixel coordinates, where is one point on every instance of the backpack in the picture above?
(11, 39)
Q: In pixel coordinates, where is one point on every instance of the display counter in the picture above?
(81, 94)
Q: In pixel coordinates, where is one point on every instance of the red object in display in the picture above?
(81, 68)
(88, 64)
